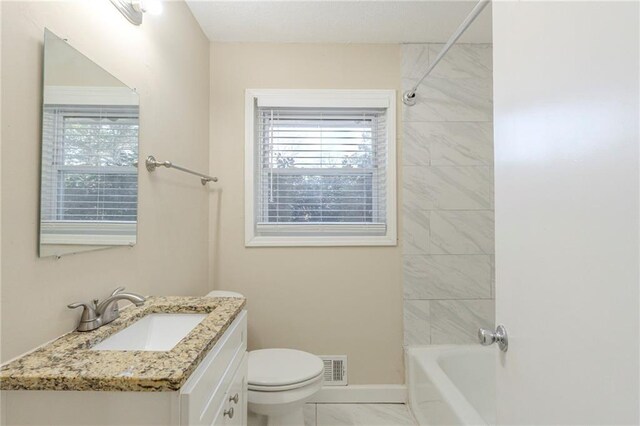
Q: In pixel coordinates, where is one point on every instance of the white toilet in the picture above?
(280, 380)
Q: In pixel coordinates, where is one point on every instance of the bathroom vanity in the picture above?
(129, 372)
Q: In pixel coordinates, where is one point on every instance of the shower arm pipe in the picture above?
(409, 97)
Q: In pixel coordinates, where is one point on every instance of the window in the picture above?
(320, 168)
(92, 185)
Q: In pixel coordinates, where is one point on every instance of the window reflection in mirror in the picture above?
(89, 187)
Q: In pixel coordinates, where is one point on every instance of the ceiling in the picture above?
(338, 21)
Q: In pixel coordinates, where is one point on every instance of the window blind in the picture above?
(89, 155)
(321, 171)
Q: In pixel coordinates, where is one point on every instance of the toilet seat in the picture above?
(291, 386)
(272, 370)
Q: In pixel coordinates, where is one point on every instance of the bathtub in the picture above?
(452, 385)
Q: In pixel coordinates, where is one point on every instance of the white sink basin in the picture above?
(154, 332)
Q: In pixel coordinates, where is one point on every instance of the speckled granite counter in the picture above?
(68, 364)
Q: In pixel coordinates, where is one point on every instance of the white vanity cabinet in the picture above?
(214, 394)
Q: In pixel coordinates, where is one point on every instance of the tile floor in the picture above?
(350, 415)
(358, 415)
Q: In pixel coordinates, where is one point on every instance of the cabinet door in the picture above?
(221, 417)
(239, 392)
(234, 408)
(203, 399)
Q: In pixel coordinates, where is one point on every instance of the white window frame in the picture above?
(328, 99)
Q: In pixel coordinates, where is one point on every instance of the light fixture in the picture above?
(153, 7)
(133, 9)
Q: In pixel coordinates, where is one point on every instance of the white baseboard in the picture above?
(361, 394)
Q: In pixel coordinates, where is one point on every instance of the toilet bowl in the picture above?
(280, 382)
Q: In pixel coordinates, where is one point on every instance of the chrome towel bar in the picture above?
(153, 164)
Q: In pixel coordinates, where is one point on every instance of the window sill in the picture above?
(88, 233)
(319, 241)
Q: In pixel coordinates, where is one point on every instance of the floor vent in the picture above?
(335, 370)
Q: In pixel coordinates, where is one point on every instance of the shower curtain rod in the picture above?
(409, 97)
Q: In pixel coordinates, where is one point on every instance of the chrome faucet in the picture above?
(96, 314)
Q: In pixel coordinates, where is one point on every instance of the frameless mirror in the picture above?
(89, 180)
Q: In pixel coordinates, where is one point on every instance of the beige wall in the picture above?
(345, 300)
(167, 60)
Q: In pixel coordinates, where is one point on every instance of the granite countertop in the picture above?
(67, 363)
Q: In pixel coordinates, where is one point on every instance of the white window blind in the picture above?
(321, 171)
(89, 158)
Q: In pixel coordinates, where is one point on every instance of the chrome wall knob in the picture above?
(488, 337)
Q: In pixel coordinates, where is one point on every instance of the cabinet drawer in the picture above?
(204, 392)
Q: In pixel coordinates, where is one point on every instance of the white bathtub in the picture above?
(452, 385)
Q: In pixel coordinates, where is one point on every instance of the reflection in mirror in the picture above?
(89, 187)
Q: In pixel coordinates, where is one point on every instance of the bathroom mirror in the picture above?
(89, 179)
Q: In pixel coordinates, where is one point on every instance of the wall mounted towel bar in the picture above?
(153, 164)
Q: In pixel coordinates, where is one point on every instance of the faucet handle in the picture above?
(115, 309)
(117, 290)
(88, 314)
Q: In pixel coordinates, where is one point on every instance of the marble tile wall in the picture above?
(447, 193)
